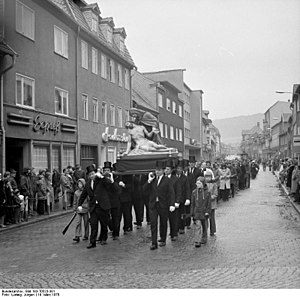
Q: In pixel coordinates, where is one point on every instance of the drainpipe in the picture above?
(2, 129)
(76, 97)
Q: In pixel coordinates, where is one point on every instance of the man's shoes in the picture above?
(212, 234)
(174, 238)
(197, 244)
(181, 231)
(98, 240)
(115, 237)
(103, 242)
(91, 245)
(153, 247)
(76, 239)
(3, 226)
(139, 226)
(162, 243)
(85, 238)
(160, 240)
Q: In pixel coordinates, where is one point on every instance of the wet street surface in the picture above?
(257, 245)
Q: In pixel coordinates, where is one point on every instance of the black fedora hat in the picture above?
(160, 164)
(170, 163)
(108, 165)
(180, 163)
(192, 159)
(90, 168)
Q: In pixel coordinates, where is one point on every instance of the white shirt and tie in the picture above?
(158, 181)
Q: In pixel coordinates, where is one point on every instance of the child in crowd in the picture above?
(81, 216)
(200, 209)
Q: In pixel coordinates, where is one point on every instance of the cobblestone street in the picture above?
(256, 246)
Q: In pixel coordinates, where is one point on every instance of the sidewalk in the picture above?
(36, 219)
(295, 205)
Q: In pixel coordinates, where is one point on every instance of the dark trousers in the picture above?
(173, 220)
(41, 206)
(126, 212)
(212, 222)
(145, 205)
(101, 215)
(188, 210)
(224, 194)
(181, 222)
(232, 189)
(115, 220)
(138, 206)
(162, 213)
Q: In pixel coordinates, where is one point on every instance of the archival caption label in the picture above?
(29, 293)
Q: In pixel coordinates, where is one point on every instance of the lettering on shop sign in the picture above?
(45, 126)
(113, 137)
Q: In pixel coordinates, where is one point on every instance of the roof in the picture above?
(75, 12)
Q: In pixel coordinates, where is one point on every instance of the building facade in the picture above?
(65, 100)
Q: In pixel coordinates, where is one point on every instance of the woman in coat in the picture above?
(200, 209)
(225, 174)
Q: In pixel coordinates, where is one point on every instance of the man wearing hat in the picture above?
(184, 195)
(97, 190)
(12, 179)
(193, 174)
(161, 201)
(115, 205)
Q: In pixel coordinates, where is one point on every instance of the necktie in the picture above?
(158, 181)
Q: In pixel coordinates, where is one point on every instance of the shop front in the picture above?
(39, 140)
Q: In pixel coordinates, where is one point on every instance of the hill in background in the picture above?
(231, 128)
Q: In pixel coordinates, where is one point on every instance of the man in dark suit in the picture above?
(173, 216)
(97, 191)
(161, 201)
(184, 195)
(192, 174)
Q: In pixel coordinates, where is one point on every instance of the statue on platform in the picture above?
(138, 140)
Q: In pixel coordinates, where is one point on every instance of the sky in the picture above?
(238, 52)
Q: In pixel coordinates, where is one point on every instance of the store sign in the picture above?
(113, 137)
(44, 126)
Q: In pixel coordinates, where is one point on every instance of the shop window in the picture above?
(111, 154)
(40, 157)
(55, 158)
(68, 156)
(25, 90)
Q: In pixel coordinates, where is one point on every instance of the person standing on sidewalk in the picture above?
(200, 208)
(295, 179)
(2, 203)
(66, 182)
(82, 216)
(224, 182)
(97, 191)
(26, 191)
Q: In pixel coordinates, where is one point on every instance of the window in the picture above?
(60, 42)
(104, 113)
(180, 135)
(94, 60)
(112, 115)
(166, 131)
(180, 110)
(160, 100)
(111, 70)
(111, 154)
(122, 46)
(84, 55)
(24, 90)
(103, 66)
(127, 116)
(85, 107)
(68, 156)
(40, 157)
(25, 19)
(174, 107)
(120, 76)
(95, 110)
(55, 158)
(119, 117)
(171, 132)
(61, 101)
(126, 73)
(176, 134)
(168, 104)
(94, 23)
(161, 129)
(109, 34)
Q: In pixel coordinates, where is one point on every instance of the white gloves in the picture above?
(79, 208)
(172, 208)
(98, 173)
(121, 184)
(111, 177)
(176, 205)
(187, 202)
(150, 177)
